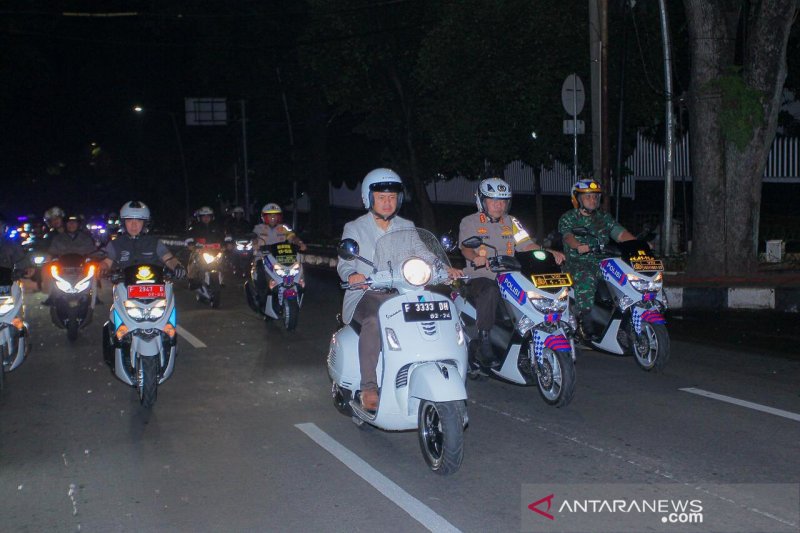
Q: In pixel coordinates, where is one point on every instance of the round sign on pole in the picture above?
(573, 95)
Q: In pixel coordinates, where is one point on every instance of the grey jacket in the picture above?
(366, 233)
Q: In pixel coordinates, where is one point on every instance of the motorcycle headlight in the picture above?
(6, 304)
(133, 310)
(210, 258)
(279, 270)
(38, 260)
(157, 310)
(64, 285)
(295, 270)
(646, 285)
(549, 304)
(83, 284)
(416, 272)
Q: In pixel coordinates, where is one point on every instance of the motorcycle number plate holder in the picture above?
(146, 291)
(645, 263)
(426, 311)
(551, 281)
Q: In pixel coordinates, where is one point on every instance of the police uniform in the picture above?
(584, 267)
(267, 235)
(72, 243)
(126, 251)
(508, 236)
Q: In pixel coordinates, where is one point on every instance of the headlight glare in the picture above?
(416, 272)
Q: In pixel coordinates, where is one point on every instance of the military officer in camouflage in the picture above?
(499, 229)
(581, 263)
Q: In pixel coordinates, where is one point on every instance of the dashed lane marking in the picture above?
(418, 510)
(750, 405)
(194, 341)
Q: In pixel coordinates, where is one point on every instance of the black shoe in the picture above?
(485, 354)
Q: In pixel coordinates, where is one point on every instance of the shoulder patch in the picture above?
(483, 218)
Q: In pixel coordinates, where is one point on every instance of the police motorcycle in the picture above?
(629, 303)
(423, 362)
(285, 281)
(533, 327)
(140, 337)
(74, 292)
(14, 343)
(208, 261)
(240, 254)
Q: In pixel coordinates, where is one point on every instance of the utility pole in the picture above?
(291, 147)
(666, 229)
(621, 123)
(598, 45)
(244, 156)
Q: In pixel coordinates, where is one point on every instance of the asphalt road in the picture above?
(228, 445)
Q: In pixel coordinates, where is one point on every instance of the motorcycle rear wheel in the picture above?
(440, 428)
(556, 377)
(147, 380)
(651, 348)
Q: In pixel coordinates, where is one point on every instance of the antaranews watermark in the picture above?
(661, 507)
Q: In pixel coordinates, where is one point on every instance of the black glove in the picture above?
(179, 272)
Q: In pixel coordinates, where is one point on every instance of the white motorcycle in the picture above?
(532, 333)
(140, 337)
(629, 303)
(14, 345)
(286, 283)
(423, 362)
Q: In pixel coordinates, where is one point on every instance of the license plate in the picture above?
(146, 291)
(426, 311)
(646, 264)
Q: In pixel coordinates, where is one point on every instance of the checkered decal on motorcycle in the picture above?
(554, 342)
(648, 315)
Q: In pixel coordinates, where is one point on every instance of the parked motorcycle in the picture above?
(14, 343)
(206, 259)
(285, 281)
(140, 337)
(533, 330)
(629, 303)
(422, 366)
(73, 294)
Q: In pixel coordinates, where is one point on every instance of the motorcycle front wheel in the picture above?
(147, 380)
(215, 292)
(291, 310)
(440, 428)
(651, 347)
(555, 377)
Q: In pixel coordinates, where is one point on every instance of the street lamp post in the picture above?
(140, 109)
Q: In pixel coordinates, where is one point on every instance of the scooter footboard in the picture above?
(436, 381)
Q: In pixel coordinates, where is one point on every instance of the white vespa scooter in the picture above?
(423, 361)
(14, 343)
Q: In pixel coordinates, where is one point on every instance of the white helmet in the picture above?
(237, 209)
(205, 210)
(271, 209)
(135, 209)
(492, 188)
(53, 212)
(381, 180)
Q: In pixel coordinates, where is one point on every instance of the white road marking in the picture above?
(194, 341)
(750, 405)
(418, 510)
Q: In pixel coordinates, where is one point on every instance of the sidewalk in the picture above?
(777, 290)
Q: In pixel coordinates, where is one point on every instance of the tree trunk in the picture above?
(727, 177)
(318, 183)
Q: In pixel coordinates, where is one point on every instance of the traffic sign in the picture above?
(573, 96)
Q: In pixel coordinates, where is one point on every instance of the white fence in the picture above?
(646, 163)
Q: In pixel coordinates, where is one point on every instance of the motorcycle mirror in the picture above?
(472, 242)
(448, 242)
(580, 231)
(348, 249)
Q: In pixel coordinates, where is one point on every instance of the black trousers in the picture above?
(484, 294)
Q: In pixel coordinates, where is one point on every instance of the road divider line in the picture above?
(194, 341)
(418, 510)
(750, 405)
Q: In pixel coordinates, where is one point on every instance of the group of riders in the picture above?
(382, 196)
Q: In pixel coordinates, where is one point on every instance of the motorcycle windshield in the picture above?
(396, 247)
(284, 253)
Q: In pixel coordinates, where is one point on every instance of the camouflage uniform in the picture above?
(583, 267)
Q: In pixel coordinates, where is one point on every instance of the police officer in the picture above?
(134, 246)
(581, 263)
(73, 240)
(271, 231)
(237, 224)
(12, 255)
(503, 231)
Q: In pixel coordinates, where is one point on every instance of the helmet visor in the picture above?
(386, 186)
